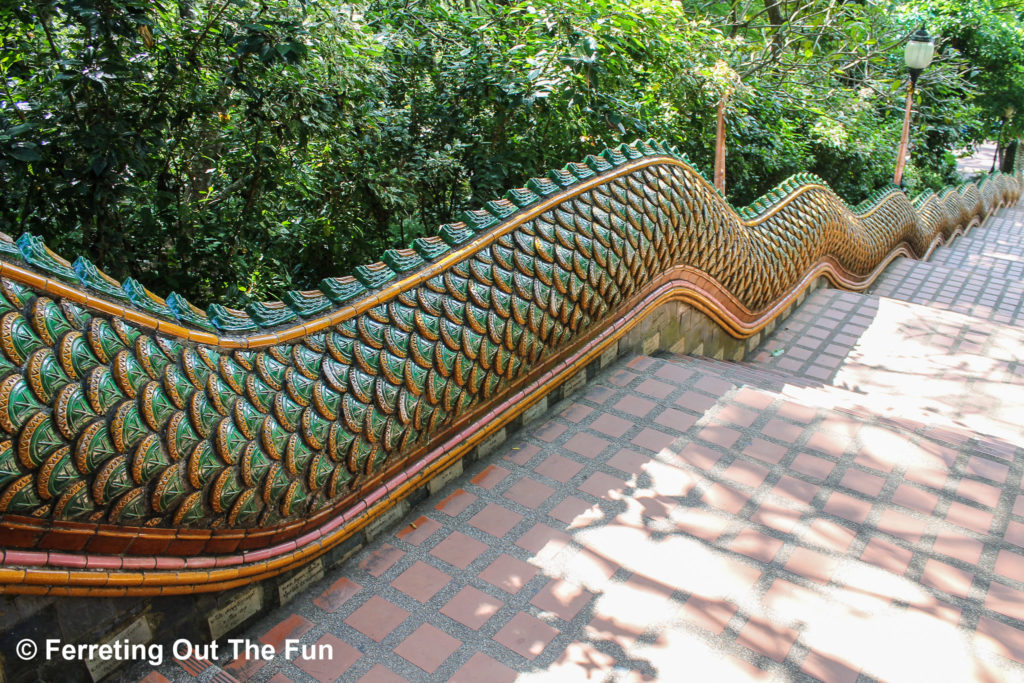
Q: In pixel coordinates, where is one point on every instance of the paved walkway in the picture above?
(980, 161)
(846, 506)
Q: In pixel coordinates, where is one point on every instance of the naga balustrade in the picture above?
(149, 447)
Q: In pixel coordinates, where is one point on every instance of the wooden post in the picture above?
(901, 160)
(720, 148)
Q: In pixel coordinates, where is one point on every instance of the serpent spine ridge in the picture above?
(138, 427)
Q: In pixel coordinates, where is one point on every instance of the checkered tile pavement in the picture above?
(846, 506)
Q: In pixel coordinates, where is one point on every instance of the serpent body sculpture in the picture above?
(147, 446)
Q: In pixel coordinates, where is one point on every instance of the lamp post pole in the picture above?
(720, 148)
(917, 55)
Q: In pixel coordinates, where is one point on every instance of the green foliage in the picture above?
(231, 149)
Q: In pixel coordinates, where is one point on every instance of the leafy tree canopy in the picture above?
(231, 149)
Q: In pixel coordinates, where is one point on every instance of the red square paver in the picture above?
(747, 473)
(529, 493)
(1015, 533)
(496, 520)
(829, 444)
(480, 668)
(1001, 638)
(521, 455)
(558, 468)
(337, 594)
(979, 492)
(970, 518)
(549, 431)
(418, 531)
(703, 524)
(736, 415)
(707, 613)
(696, 401)
(848, 507)
(989, 469)
(508, 573)
(797, 412)
(699, 456)
(377, 618)
(811, 565)
(587, 445)
(421, 581)
(796, 490)
(381, 560)
(887, 555)
(652, 387)
(719, 435)
(829, 535)
(611, 425)
(756, 545)
(781, 430)
(713, 385)
(569, 509)
(771, 640)
(539, 536)
(673, 373)
(652, 439)
(378, 674)
(828, 669)
(472, 607)
(428, 647)
(914, 498)
(676, 420)
(456, 502)
(329, 658)
(242, 668)
(902, 525)
(526, 635)
(1011, 565)
(157, 677)
(490, 476)
(577, 412)
(561, 598)
(859, 480)
(766, 451)
(753, 398)
(874, 460)
(776, 516)
(947, 578)
(602, 485)
(459, 549)
(726, 498)
(628, 461)
(959, 546)
(634, 405)
(290, 628)
(1005, 600)
(812, 466)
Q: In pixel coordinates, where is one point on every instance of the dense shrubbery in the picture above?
(230, 149)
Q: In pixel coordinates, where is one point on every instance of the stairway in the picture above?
(845, 505)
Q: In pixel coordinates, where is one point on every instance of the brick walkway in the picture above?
(846, 506)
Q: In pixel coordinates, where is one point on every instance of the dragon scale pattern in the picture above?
(113, 426)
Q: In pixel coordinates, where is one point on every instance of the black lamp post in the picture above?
(918, 55)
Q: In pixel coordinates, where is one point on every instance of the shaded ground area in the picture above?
(845, 506)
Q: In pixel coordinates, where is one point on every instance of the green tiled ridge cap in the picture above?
(336, 291)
